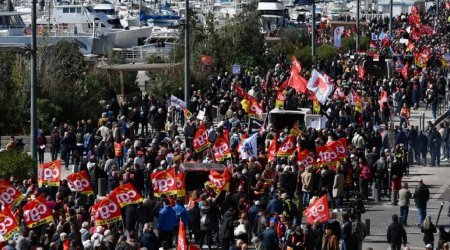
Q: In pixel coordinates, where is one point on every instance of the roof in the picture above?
(142, 67)
(203, 167)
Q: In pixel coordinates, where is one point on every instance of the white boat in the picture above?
(109, 10)
(273, 14)
(14, 32)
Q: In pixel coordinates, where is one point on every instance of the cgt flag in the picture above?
(106, 211)
(221, 148)
(126, 195)
(79, 182)
(182, 241)
(218, 181)
(168, 182)
(36, 213)
(272, 149)
(8, 224)
(9, 196)
(318, 211)
(287, 147)
(49, 173)
(319, 84)
(201, 141)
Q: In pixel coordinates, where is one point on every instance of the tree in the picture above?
(326, 52)
(16, 163)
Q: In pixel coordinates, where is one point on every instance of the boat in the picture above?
(14, 32)
(109, 10)
(163, 17)
(274, 15)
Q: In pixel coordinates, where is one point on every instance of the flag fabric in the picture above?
(318, 211)
(177, 102)
(383, 98)
(385, 42)
(287, 147)
(9, 195)
(415, 35)
(126, 194)
(295, 130)
(218, 181)
(49, 173)
(298, 83)
(279, 102)
(426, 29)
(248, 148)
(319, 84)
(411, 46)
(338, 31)
(296, 65)
(306, 158)
(243, 94)
(255, 109)
(405, 71)
(106, 211)
(339, 147)
(316, 106)
(421, 59)
(327, 154)
(373, 45)
(187, 114)
(254, 125)
(414, 16)
(272, 149)
(201, 141)
(245, 105)
(356, 99)
(36, 212)
(206, 60)
(8, 224)
(361, 72)
(79, 182)
(168, 182)
(221, 149)
(182, 241)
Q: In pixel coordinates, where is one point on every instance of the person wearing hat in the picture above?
(404, 195)
(396, 234)
(421, 197)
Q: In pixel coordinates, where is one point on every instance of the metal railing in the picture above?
(142, 53)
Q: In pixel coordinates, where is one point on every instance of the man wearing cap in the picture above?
(421, 197)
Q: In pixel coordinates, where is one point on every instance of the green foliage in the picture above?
(16, 163)
(348, 43)
(326, 52)
(291, 41)
(304, 56)
(14, 84)
(46, 110)
(364, 42)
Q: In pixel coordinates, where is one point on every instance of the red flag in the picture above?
(327, 154)
(295, 130)
(243, 94)
(79, 182)
(9, 196)
(361, 72)
(255, 109)
(221, 148)
(168, 182)
(50, 173)
(125, 195)
(8, 224)
(272, 149)
(287, 147)
(385, 42)
(106, 211)
(36, 213)
(206, 60)
(218, 181)
(339, 147)
(201, 141)
(306, 158)
(318, 211)
(426, 29)
(296, 65)
(284, 85)
(405, 71)
(298, 83)
(182, 242)
(383, 99)
(415, 34)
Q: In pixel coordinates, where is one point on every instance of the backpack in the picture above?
(357, 231)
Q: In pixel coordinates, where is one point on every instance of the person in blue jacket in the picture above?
(167, 222)
(269, 237)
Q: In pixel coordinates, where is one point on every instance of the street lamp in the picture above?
(33, 110)
(186, 56)
(358, 3)
(313, 36)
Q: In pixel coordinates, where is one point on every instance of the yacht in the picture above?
(109, 10)
(274, 15)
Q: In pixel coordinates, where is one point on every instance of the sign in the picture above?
(79, 182)
(221, 148)
(168, 182)
(338, 31)
(106, 211)
(49, 173)
(177, 102)
(201, 115)
(9, 196)
(36, 213)
(8, 224)
(318, 211)
(236, 69)
(126, 195)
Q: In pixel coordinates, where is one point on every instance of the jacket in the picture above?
(182, 213)
(330, 242)
(227, 226)
(307, 181)
(338, 185)
(403, 197)
(428, 233)
(149, 241)
(396, 233)
(167, 219)
(421, 196)
(269, 239)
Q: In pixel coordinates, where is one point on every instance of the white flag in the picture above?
(320, 85)
(249, 147)
(177, 102)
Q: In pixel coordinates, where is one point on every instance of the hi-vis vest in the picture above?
(118, 149)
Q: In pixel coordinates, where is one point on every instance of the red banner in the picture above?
(168, 182)
(296, 65)
(339, 147)
(422, 58)
(8, 224)
(221, 148)
(218, 181)
(9, 196)
(255, 109)
(106, 211)
(50, 173)
(327, 154)
(182, 241)
(201, 141)
(318, 211)
(306, 158)
(126, 195)
(272, 149)
(361, 72)
(79, 182)
(36, 213)
(287, 147)
(243, 94)
(405, 70)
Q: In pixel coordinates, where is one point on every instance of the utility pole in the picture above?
(358, 27)
(186, 57)
(391, 10)
(313, 37)
(33, 125)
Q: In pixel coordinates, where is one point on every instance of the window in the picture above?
(72, 10)
(78, 10)
(65, 10)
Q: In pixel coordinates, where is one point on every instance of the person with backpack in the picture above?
(396, 234)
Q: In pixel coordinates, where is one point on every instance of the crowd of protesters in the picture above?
(266, 199)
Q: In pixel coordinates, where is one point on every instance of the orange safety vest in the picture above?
(118, 149)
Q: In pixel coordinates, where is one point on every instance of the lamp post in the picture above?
(358, 27)
(313, 36)
(33, 110)
(186, 56)
(391, 10)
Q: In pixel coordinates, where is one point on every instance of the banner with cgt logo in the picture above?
(36, 213)
(201, 141)
(106, 211)
(126, 195)
(79, 182)
(168, 182)
(50, 173)
(8, 224)
(318, 211)
(9, 196)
